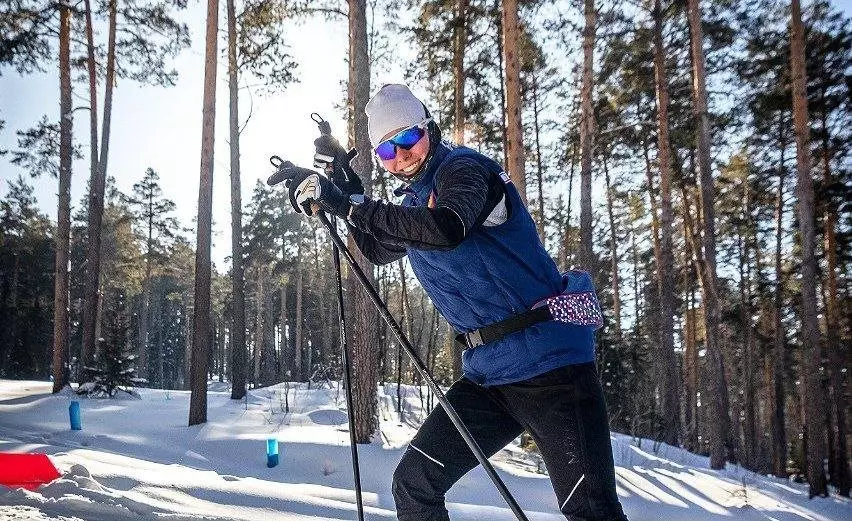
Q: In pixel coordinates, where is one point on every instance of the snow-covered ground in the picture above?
(136, 459)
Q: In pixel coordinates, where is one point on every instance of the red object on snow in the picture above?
(26, 470)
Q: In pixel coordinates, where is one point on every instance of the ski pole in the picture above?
(325, 129)
(421, 368)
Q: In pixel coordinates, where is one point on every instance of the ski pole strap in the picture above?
(581, 309)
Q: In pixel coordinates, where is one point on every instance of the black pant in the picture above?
(564, 412)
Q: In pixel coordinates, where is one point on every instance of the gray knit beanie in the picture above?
(391, 108)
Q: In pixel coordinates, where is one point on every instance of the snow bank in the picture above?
(137, 459)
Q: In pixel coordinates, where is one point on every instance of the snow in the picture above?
(137, 460)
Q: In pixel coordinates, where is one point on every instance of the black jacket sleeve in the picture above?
(465, 194)
(376, 252)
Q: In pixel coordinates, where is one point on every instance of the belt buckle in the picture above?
(473, 339)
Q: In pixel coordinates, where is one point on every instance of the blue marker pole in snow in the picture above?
(74, 415)
(271, 452)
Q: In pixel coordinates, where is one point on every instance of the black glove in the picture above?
(336, 162)
(307, 186)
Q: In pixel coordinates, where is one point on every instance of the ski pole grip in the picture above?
(324, 126)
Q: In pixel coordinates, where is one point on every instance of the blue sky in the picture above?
(161, 127)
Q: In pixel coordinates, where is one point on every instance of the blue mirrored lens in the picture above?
(405, 139)
(386, 150)
(408, 137)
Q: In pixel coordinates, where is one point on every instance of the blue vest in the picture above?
(497, 272)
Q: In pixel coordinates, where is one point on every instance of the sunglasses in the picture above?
(405, 138)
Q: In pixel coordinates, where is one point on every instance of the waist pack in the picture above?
(577, 304)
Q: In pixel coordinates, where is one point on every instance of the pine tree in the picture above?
(812, 405)
(156, 228)
(114, 368)
(201, 318)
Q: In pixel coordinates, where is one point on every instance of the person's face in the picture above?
(406, 163)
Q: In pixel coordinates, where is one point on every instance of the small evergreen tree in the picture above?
(114, 368)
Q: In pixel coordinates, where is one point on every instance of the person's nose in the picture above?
(403, 154)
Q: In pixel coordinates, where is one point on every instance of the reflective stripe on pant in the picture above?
(564, 412)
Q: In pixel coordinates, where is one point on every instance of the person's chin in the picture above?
(411, 173)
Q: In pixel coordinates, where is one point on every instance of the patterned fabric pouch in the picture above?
(578, 303)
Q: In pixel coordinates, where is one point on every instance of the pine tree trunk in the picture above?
(63, 227)
(812, 405)
(666, 371)
(694, 254)
(95, 206)
(160, 354)
(498, 20)
(298, 370)
(96, 201)
(187, 340)
(145, 316)
(260, 324)
(267, 352)
(459, 46)
(613, 245)
(634, 250)
(539, 172)
(201, 317)
(839, 466)
(238, 295)
(586, 256)
(777, 393)
(690, 364)
(365, 323)
(566, 244)
(91, 67)
(748, 376)
(514, 101)
(405, 313)
(720, 442)
(283, 345)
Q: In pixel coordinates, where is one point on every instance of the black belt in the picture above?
(498, 330)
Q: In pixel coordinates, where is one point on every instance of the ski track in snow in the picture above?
(136, 459)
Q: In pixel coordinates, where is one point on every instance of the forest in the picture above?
(714, 135)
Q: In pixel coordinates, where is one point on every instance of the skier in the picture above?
(474, 248)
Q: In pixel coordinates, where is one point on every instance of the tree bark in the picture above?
(666, 363)
(96, 202)
(283, 343)
(158, 311)
(566, 245)
(586, 256)
(514, 101)
(63, 226)
(95, 206)
(201, 317)
(459, 46)
(365, 317)
(613, 251)
(777, 393)
(538, 163)
(238, 325)
(748, 376)
(144, 318)
(298, 370)
(812, 406)
(260, 323)
(501, 74)
(720, 442)
(839, 466)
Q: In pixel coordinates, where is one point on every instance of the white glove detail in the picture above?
(308, 190)
(323, 161)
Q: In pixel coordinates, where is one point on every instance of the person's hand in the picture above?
(335, 161)
(310, 191)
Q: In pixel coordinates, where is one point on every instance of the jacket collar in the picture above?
(423, 186)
